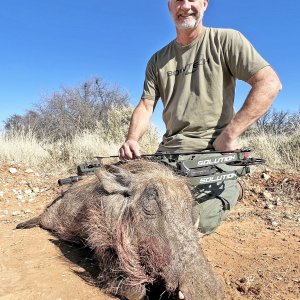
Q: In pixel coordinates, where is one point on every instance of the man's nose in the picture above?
(185, 5)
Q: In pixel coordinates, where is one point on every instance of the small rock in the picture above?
(265, 176)
(274, 223)
(278, 202)
(285, 180)
(16, 213)
(247, 279)
(16, 192)
(269, 206)
(29, 171)
(5, 212)
(36, 190)
(228, 282)
(287, 216)
(27, 211)
(298, 219)
(256, 190)
(12, 170)
(267, 195)
(19, 197)
(1, 194)
(28, 192)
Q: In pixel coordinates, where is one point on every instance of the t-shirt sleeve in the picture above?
(242, 58)
(151, 87)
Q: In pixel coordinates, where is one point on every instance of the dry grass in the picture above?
(64, 155)
(280, 151)
(22, 148)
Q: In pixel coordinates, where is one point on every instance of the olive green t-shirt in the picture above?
(196, 84)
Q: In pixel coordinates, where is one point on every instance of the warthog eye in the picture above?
(150, 202)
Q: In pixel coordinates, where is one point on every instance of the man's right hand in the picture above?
(129, 150)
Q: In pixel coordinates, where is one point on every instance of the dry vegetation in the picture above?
(281, 150)
(26, 149)
(70, 127)
(276, 138)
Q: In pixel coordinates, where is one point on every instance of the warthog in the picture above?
(137, 219)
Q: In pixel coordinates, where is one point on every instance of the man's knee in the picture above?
(208, 212)
(208, 215)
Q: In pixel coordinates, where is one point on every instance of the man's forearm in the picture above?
(138, 125)
(140, 120)
(265, 87)
(257, 103)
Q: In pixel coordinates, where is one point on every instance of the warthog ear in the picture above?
(115, 180)
(150, 201)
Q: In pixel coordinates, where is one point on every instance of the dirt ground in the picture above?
(255, 251)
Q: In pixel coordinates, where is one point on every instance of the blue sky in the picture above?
(49, 44)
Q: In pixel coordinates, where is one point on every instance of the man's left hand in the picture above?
(223, 144)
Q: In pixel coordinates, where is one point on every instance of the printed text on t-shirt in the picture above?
(189, 68)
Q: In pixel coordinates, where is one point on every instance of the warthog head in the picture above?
(137, 217)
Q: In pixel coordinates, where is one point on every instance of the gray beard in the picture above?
(190, 23)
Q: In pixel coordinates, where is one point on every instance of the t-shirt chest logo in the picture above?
(189, 68)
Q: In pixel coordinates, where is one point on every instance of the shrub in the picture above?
(278, 122)
(70, 111)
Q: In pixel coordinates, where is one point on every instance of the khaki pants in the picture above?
(212, 204)
(212, 201)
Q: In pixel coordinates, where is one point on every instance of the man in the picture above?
(195, 77)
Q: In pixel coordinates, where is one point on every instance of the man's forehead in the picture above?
(188, 0)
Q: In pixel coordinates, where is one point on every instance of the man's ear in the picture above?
(205, 4)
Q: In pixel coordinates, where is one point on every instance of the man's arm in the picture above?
(265, 87)
(138, 126)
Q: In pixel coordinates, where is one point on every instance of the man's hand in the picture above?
(129, 150)
(223, 143)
